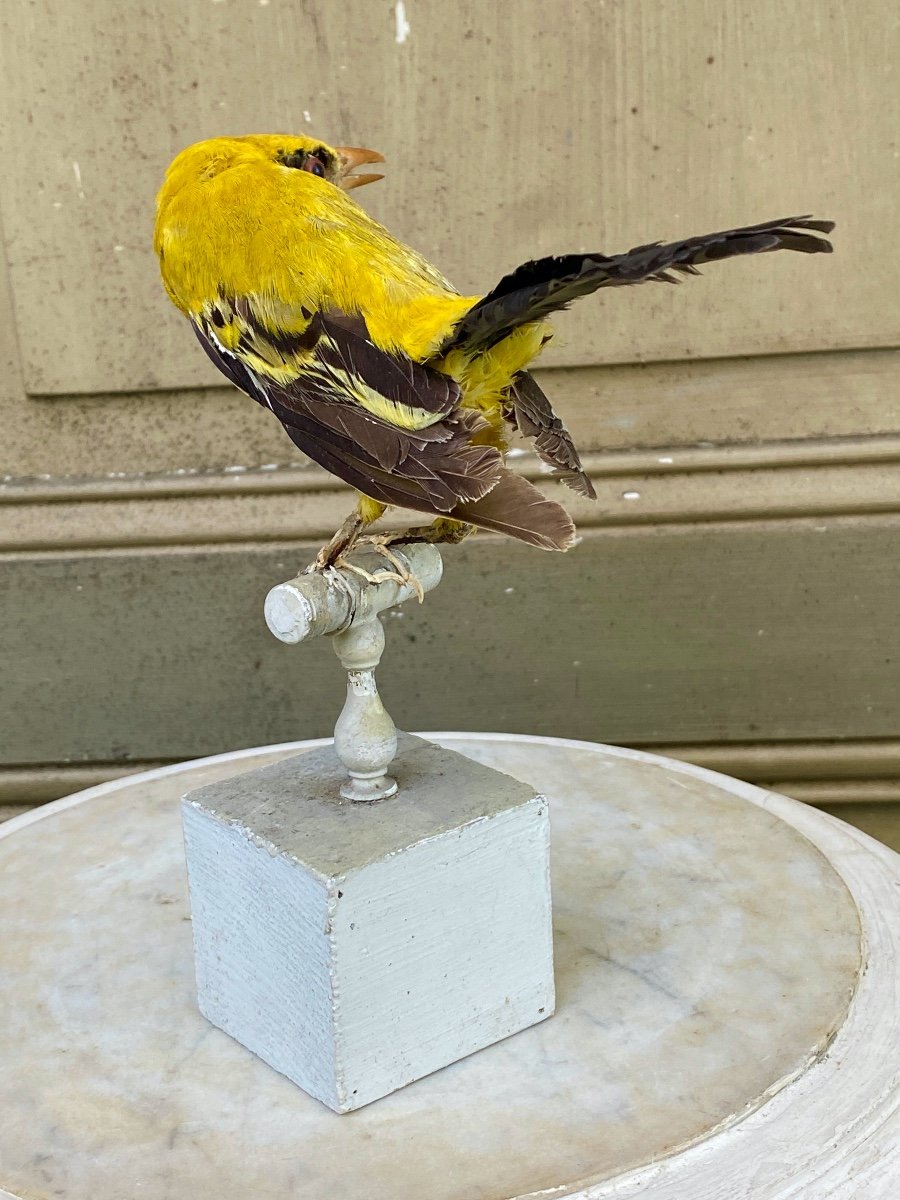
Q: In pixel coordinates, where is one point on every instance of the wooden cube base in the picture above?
(356, 948)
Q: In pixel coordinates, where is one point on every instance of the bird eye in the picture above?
(314, 165)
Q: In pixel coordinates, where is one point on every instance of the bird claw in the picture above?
(321, 563)
(325, 563)
(401, 574)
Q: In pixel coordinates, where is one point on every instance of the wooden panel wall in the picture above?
(735, 596)
(574, 126)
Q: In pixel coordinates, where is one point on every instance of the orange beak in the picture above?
(355, 156)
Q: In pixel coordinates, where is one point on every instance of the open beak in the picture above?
(355, 156)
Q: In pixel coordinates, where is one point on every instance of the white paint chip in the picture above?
(631, 495)
(307, 116)
(402, 27)
(666, 460)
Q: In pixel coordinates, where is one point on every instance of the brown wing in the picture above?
(431, 469)
(393, 429)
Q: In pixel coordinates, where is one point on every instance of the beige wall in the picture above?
(755, 411)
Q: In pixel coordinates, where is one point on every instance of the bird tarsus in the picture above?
(334, 554)
(444, 531)
(340, 544)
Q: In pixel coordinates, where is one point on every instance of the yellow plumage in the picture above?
(233, 221)
(376, 366)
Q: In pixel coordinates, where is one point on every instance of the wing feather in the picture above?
(395, 429)
(531, 412)
(430, 469)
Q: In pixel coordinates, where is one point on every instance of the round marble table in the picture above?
(727, 1022)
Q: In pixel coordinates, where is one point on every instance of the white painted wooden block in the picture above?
(356, 948)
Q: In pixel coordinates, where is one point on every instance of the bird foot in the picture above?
(381, 544)
(333, 557)
(321, 563)
(333, 552)
(401, 575)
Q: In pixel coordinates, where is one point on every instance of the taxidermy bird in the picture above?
(374, 364)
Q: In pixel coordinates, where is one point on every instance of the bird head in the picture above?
(334, 164)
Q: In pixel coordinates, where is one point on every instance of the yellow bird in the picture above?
(376, 367)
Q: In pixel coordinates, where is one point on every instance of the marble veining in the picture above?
(705, 952)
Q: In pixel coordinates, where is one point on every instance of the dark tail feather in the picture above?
(537, 289)
(516, 507)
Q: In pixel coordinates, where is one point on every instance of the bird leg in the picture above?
(334, 554)
(444, 531)
(340, 545)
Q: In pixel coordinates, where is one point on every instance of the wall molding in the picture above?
(863, 772)
(297, 502)
(874, 758)
(31, 785)
(819, 773)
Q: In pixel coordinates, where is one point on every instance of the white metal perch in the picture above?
(343, 605)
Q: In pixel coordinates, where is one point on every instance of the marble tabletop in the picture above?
(708, 962)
